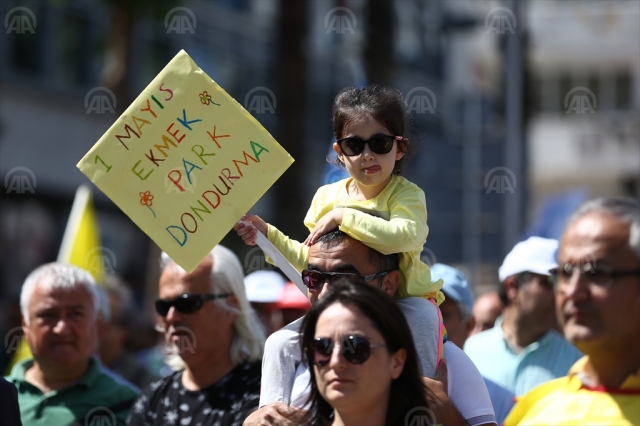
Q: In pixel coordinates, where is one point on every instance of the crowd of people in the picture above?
(380, 338)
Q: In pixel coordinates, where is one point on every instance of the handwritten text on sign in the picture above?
(185, 161)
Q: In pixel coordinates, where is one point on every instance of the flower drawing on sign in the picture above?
(146, 199)
(205, 98)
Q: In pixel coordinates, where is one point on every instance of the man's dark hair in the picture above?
(383, 262)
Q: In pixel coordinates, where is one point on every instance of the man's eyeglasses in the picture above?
(380, 144)
(187, 303)
(314, 280)
(355, 349)
(599, 276)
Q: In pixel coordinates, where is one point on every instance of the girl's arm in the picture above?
(405, 230)
(294, 251)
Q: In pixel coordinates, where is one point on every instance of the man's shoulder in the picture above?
(109, 383)
(557, 340)
(535, 398)
(479, 342)
(287, 336)
(160, 386)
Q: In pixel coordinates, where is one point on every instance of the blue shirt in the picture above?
(501, 399)
(546, 359)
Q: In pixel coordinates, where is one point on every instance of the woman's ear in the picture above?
(397, 363)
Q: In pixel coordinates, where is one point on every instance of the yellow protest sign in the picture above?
(185, 161)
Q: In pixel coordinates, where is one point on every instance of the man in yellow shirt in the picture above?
(598, 304)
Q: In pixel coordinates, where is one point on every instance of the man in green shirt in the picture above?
(63, 384)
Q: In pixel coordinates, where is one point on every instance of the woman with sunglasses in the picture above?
(364, 364)
(375, 205)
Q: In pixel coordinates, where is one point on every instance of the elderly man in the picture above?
(524, 349)
(212, 329)
(285, 378)
(63, 384)
(458, 318)
(598, 303)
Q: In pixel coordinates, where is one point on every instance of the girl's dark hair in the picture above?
(407, 391)
(383, 104)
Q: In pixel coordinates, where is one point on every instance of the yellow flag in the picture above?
(81, 241)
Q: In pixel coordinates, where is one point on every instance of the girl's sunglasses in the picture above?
(380, 144)
(314, 280)
(186, 304)
(355, 349)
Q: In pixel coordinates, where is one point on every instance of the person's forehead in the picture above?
(46, 296)
(594, 235)
(341, 319)
(175, 279)
(348, 252)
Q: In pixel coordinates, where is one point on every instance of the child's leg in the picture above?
(424, 320)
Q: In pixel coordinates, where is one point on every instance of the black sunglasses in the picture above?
(187, 303)
(355, 349)
(314, 280)
(380, 144)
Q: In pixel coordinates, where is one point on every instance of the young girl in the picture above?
(375, 205)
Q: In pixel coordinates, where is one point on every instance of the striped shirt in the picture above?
(548, 358)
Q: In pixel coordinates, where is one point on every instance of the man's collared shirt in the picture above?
(228, 402)
(95, 394)
(548, 358)
(569, 401)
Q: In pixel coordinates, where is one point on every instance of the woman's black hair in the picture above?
(383, 104)
(408, 390)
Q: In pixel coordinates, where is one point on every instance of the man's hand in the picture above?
(327, 223)
(438, 399)
(249, 234)
(277, 414)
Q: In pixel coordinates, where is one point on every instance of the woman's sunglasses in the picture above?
(355, 349)
(380, 144)
(314, 280)
(186, 304)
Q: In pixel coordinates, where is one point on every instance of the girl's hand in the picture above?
(249, 234)
(327, 223)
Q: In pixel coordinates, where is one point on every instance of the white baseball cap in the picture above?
(264, 286)
(537, 255)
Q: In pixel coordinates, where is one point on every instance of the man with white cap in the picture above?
(457, 315)
(524, 349)
(264, 289)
